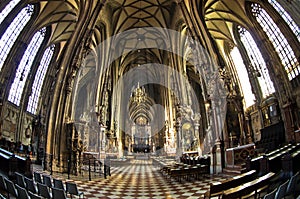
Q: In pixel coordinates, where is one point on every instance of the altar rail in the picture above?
(238, 155)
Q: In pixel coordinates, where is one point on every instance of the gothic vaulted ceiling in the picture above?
(128, 14)
(61, 15)
(123, 15)
(219, 15)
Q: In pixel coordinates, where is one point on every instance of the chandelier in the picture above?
(139, 95)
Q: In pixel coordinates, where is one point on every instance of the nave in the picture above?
(139, 179)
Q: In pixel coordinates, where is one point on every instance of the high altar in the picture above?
(141, 138)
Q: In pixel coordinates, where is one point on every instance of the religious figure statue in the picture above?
(196, 117)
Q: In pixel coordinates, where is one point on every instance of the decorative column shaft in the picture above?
(179, 137)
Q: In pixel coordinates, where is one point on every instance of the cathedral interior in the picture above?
(129, 79)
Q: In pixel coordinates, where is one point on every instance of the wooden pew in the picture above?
(249, 188)
(8, 162)
(217, 188)
(290, 164)
(11, 163)
(4, 166)
(179, 171)
(190, 172)
(273, 160)
(296, 160)
(24, 165)
(253, 163)
(278, 150)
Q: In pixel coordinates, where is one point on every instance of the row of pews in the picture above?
(245, 185)
(179, 171)
(195, 160)
(252, 188)
(265, 175)
(249, 185)
(11, 163)
(283, 159)
(217, 188)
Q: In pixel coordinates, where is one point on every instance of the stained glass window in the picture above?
(39, 79)
(14, 29)
(281, 45)
(243, 77)
(258, 66)
(286, 17)
(8, 8)
(24, 67)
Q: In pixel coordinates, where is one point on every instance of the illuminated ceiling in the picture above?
(219, 15)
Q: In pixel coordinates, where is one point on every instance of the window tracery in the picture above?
(279, 41)
(24, 67)
(257, 66)
(8, 8)
(286, 17)
(14, 29)
(39, 79)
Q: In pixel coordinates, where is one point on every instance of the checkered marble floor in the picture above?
(140, 179)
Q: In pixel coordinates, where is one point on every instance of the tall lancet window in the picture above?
(243, 77)
(8, 8)
(39, 79)
(14, 29)
(281, 45)
(258, 66)
(24, 67)
(286, 17)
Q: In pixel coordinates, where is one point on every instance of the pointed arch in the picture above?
(24, 67)
(13, 31)
(39, 79)
(279, 41)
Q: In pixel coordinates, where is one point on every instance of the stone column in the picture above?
(242, 140)
(289, 122)
(178, 138)
(217, 163)
(248, 128)
(226, 138)
(197, 135)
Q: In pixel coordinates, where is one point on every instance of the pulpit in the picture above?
(237, 155)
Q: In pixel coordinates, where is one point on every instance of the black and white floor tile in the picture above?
(139, 179)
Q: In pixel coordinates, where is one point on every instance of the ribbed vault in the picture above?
(128, 14)
(220, 15)
(61, 15)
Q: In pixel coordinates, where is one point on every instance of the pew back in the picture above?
(217, 188)
(249, 187)
(11, 163)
